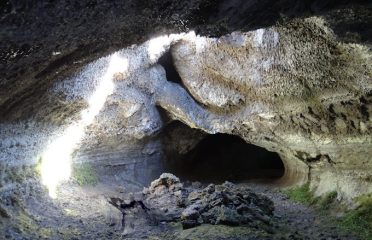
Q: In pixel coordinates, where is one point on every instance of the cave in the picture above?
(202, 119)
(224, 157)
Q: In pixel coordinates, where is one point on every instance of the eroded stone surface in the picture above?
(168, 200)
(284, 89)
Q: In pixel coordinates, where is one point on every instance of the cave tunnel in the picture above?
(221, 157)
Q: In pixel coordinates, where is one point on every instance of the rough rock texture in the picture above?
(224, 204)
(43, 43)
(301, 87)
(227, 204)
(170, 209)
(285, 90)
(294, 88)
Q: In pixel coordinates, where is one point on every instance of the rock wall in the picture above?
(293, 89)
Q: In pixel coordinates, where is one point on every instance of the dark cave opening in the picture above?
(221, 157)
(166, 61)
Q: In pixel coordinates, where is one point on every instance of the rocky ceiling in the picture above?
(44, 42)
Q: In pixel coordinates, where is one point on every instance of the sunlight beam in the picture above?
(56, 159)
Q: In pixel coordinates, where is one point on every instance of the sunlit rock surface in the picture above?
(298, 92)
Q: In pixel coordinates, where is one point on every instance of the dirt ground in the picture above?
(85, 213)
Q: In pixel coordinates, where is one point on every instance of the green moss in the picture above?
(301, 194)
(84, 174)
(305, 196)
(359, 220)
(325, 203)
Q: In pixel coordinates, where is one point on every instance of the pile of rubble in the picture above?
(226, 204)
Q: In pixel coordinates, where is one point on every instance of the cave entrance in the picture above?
(221, 157)
(166, 61)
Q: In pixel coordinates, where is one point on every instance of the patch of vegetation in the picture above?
(84, 174)
(304, 195)
(325, 203)
(301, 194)
(359, 220)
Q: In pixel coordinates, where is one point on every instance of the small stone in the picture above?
(186, 224)
(217, 202)
(193, 196)
(210, 188)
(228, 216)
(208, 217)
(241, 208)
(190, 213)
(228, 185)
(4, 213)
(166, 180)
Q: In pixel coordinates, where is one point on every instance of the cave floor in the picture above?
(84, 213)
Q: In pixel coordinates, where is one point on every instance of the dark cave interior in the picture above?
(166, 61)
(221, 157)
